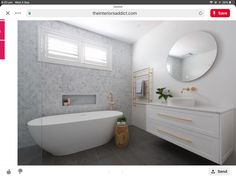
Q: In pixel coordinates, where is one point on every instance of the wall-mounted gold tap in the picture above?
(188, 89)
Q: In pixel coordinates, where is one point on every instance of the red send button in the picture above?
(220, 13)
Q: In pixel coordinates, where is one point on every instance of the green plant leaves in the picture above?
(121, 119)
(163, 93)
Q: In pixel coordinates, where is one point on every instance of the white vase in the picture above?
(162, 100)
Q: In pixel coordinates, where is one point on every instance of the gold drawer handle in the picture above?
(176, 118)
(170, 134)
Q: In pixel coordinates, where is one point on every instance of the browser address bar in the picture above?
(115, 13)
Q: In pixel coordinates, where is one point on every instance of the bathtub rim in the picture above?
(32, 123)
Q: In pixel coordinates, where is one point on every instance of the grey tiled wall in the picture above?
(41, 85)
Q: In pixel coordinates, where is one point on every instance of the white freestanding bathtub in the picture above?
(69, 133)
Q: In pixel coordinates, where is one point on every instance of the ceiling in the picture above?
(127, 31)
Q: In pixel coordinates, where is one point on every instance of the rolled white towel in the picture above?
(140, 86)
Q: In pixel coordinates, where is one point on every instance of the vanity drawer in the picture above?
(200, 122)
(203, 145)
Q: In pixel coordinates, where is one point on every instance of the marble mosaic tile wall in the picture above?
(41, 85)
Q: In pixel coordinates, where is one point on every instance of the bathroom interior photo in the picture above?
(126, 92)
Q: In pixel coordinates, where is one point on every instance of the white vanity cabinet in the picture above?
(208, 132)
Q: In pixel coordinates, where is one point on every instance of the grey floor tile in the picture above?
(87, 157)
(112, 159)
(231, 160)
(30, 155)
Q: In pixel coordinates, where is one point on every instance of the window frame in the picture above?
(81, 43)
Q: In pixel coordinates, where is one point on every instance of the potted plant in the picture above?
(121, 133)
(121, 121)
(164, 94)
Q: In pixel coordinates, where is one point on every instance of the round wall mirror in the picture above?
(192, 56)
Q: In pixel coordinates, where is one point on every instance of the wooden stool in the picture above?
(121, 136)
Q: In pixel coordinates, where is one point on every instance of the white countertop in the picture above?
(211, 109)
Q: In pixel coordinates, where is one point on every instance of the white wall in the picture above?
(218, 86)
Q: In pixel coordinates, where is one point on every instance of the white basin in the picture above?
(181, 101)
